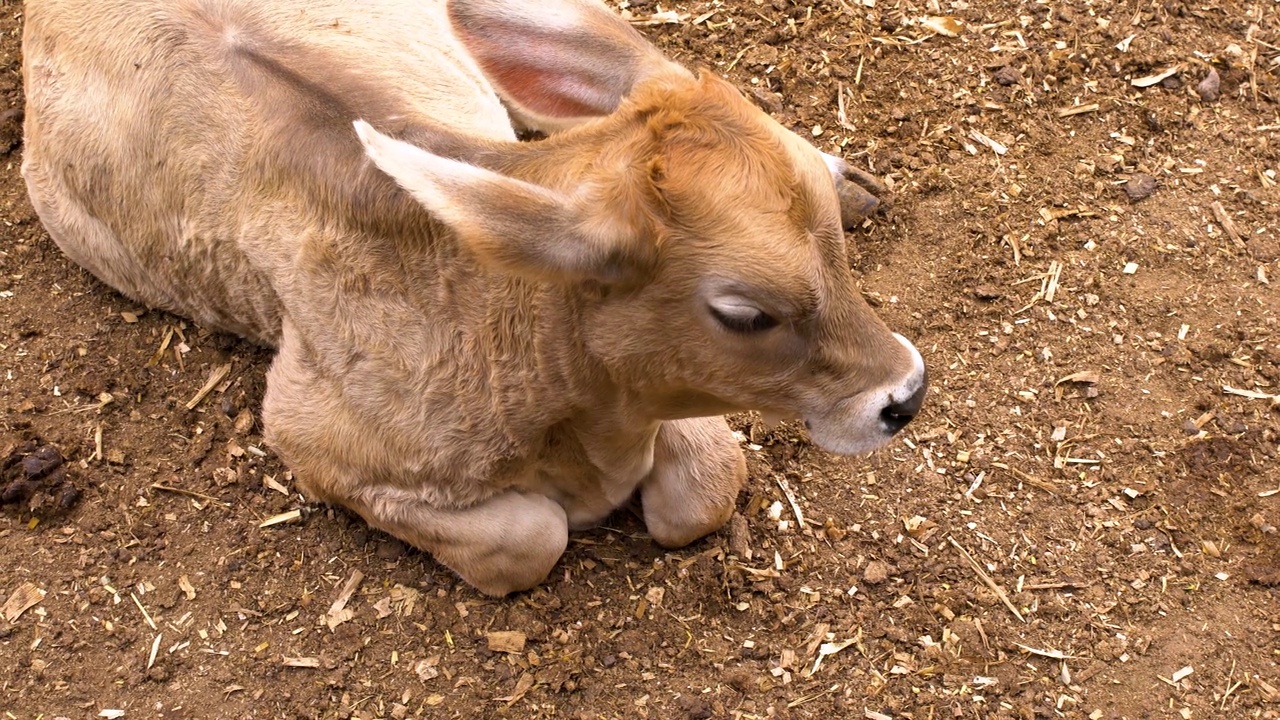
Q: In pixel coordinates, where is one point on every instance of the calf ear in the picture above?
(512, 225)
(557, 63)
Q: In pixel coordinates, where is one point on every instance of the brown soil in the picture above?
(1130, 521)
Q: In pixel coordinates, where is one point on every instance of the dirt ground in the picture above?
(1082, 524)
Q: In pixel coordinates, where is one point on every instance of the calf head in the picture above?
(700, 240)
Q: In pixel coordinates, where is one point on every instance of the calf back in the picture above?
(154, 168)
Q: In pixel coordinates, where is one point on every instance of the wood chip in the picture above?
(1227, 223)
(995, 146)
(986, 579)
(219, 374)
(523, 686)
(427, 669)
(187, 588)
(155, 648)
(269, 481)
(145, 615)
(164, 345)
(1028, 479)
(1055, 654)
(666, 17)
(506, 641)
(188, 493)
(301, 662)
(943, 25)
(338, 611)
(1150, 80)
(1077, 110)
(1251, 394)
(1088, 377)
(827, 649)
(20, 601)
(791, 500)
(286, 517)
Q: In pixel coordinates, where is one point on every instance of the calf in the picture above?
(481, 343)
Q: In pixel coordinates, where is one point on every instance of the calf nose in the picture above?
(896, 415)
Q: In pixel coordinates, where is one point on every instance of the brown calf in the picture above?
(481, 343)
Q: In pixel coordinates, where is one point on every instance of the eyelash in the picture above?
(758, 323)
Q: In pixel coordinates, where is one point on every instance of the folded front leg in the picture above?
(507, 543)
(698, 470)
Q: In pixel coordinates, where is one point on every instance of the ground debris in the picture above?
(338, 611)
(22, 599)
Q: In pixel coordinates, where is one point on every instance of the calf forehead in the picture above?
(754, 173)
(765, 207)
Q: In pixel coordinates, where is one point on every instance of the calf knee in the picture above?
(518, 543)
(505, 544)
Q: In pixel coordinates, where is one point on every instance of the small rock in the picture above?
(399, 712)
(1210, 87)
(1259, 521)
(696, 707)
(389, 549)
(1140, 186)
(768, 101)
(761, 56)
(1007, 75)
(875, 573)
(987, 293)
(1189, 427)
(741, 680)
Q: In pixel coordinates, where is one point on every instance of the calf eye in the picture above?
(743, 319)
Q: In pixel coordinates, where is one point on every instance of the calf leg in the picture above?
(501, 544)
(698, 470)
(507, 543)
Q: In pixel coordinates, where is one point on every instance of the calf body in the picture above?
(480, 343)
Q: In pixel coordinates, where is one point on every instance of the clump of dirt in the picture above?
(34, 478)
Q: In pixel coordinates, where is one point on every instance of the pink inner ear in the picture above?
(554, 73)
(549, 93)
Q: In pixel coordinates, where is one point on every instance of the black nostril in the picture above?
(897, 415)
